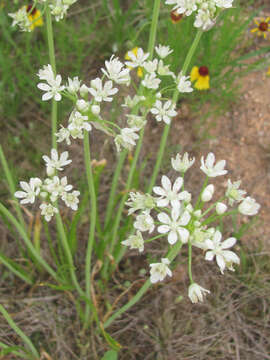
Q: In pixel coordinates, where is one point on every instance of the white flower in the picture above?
(21, 19)
(208, 193)
(249, 207)
(169, 194)
(196, 293)
(131, 102)
(183, 6)
(182, 164)
(101, 93)
(144, 222)
(78, 122)
(57, 187)
(48, 210)
(135, 241)
(210, 169)
(151, 66)
(116, 71)
(63, 134)
(71, 199)
(95, 109)
(150, 81)
(136, 121)
(30, 192)
(138, 201)
(233, 192)
(82, 105)
(225, 258)
(164, 111)
(58, 9)
(56, 162)
(224, 3)
(73, 85)
(136, 59)
(53, 87)
(127, 139)
(46, 73)
(221, 208)
(174, 225)
(159, 271)
(164, 70)
(183, 84)
(163, 51)
(203, 20)
(84, 90)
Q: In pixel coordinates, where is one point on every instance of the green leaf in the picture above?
(110, 340)
(110, 355)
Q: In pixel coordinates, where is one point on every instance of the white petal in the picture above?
(221, 263)
(163, 229)
(162, 202)
(209, 256)
(45, 97)
(228, 243)
(172, 237)
(178, 184)
(185, 218)
(164, 218)
(159, 191)
(184, 235)
(166, 183)
(230, 256)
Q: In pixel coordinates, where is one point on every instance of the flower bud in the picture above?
(95, 109)
(82, 105)
(221, 208)
(208, 193)
(249, 207)
(83, 90)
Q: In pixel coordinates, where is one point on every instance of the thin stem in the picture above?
(11, 185)
(173, 252)
(153, 31)
(212, 206)
(20, 333)
(190, 261)
(16, 270)
(167, 127)
(52, 62)
(63, 237)
(28, 242)
(211, 218)
(93, 211)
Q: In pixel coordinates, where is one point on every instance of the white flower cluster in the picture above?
(206, 11)
(180, 221)
(21, 19)
(89, 99)
(51, 189)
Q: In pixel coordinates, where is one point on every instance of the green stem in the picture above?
(93, 211)
(11, 186)
(167, 127)
(211, 219)
(20, 333)
(64, 241)
(28, 242)
(18, 271)
(173, 252)
(190, 261)
(153, 31)
(212, 206)
(49, 28)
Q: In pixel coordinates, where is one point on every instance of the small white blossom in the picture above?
(100, 92)
(95, 109)
(164, 70)
(216, 248)
(71, 199)
(78, 122)
(196, 293)
(84, 90)
(151, 66)
(63, 134)
(116, 71)
(182, 164)
(164, 111)
(203, 20)
(30, 192)
(136, 60)
(48, 210)
(221, 208)
(58, 9)
(46, 73)
(82, 105)
(21, 19)
(132, 102)
(127, 139)
(150, 81)
(53, 87)
(186, 7)
(183, 84)
(159, 271)
(233, 193)
(73, 85)
(168, 193)
(208, 193)
(56, 162)
(138, 201)
(174, 226)
(135, 241)
(210, 169)
(249, 207)
(163, 51)
(136, 121)
(57, 187)
(144, 222)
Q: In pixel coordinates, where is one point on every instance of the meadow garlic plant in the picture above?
(166, 211)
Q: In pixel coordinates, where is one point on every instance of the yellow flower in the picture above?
(268, 72)
(175, 17)
(135, 51)
(201, 77)
(262, 27)
(34, 16)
